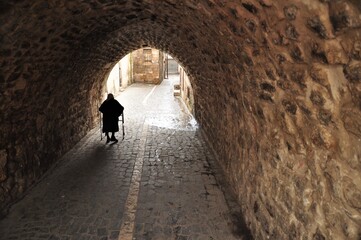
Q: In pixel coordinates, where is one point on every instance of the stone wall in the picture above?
(186, 90)
(113, 80)
(126, 66)
(120, 77)
(147, 63)
(277, 90)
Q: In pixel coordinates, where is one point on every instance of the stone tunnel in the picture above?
(277, 89)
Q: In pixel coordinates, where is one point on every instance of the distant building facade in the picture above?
(148, 65)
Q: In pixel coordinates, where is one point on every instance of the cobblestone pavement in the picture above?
(160, 182)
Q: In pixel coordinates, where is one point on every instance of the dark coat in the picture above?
(111, 110)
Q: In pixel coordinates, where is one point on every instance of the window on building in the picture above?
(147, 52)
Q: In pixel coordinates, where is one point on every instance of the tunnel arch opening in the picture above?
(149, 65)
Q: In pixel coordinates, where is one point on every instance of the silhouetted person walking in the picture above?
(111, 110)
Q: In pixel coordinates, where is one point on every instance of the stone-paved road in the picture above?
(160, 182)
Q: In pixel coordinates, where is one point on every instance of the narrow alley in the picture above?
(160, 182)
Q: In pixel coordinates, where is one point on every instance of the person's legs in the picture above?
(113, 138)
(108, 138)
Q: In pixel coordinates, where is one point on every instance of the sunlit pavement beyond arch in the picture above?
(160, 182)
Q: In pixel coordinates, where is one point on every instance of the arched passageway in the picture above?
(276, 86)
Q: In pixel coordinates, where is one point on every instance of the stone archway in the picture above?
(284, 77)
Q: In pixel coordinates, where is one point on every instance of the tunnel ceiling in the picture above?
(48, 38)
(58, 32)
(277, 88)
